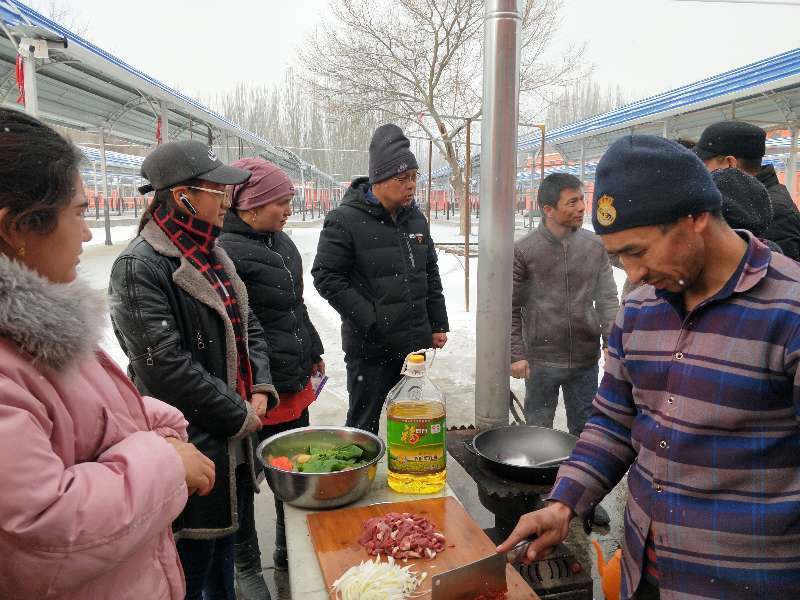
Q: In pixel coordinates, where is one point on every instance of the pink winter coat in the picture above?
(89, 486)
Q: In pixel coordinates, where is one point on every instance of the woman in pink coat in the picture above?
(92, 473)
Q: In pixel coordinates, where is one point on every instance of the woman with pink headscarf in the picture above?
(271, 267)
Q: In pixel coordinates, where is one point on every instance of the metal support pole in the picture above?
(96, 199)
(119, 196)
(31, 87)
(791, 165)
(104, 171)
(541, 166)
(430, 183)
(164, 110)
(468, 215)
(541, 172)
(529, 216)
(135, 197)
(303, 184)
(496, 233)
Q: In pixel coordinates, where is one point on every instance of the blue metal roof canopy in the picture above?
(84, 87)
(774, 74)
(113, 159)
(765, 93)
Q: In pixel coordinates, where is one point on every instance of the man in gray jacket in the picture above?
(564, 299)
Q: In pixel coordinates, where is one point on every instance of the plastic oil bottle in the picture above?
(415, 426)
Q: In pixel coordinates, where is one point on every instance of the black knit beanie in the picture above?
(745, 201)
(389, 153)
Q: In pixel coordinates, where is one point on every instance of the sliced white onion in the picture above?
(377, 580)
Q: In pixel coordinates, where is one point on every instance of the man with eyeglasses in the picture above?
(376, 265)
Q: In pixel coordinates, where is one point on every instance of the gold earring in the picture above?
(21, 251)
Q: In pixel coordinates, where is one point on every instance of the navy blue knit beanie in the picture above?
(389, 153)
(649, 180)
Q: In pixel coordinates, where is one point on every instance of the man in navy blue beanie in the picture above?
(699, 400)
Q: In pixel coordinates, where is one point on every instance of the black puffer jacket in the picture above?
(381, 276)
(175, 331)
(271, 268)
(785, 228)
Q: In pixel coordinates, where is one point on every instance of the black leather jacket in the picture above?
(174, 329)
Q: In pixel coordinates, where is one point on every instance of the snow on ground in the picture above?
(118, 232)
(454, 366)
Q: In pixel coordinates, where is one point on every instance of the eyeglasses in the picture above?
(407, 178)
(224, 193)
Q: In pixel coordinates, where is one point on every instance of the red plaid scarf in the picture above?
(195, 239)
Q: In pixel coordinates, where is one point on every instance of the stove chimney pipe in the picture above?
(501, 55)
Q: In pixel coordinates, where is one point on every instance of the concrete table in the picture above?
(305, 576)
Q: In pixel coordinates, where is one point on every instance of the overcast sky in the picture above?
(645, 46)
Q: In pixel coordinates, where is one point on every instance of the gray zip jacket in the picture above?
(564, 299)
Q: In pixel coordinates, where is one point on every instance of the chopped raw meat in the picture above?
(402, 536)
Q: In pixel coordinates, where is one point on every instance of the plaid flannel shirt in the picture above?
(702, 407)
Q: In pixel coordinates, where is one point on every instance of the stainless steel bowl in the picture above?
(320, 490)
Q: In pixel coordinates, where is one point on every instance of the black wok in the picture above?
(523, 453)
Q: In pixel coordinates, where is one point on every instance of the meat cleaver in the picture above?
(480, 577)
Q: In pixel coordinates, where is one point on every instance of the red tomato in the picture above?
(282, 462)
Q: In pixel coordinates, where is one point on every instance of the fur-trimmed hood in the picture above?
(58, 324)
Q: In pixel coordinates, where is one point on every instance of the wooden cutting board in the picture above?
(335, 534)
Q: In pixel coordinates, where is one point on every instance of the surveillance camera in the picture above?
(40, 47)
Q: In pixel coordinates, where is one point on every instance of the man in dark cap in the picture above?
(376, 265)
(742, 145)
(699, 401)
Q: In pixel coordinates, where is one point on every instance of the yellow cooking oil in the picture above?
(415, 426)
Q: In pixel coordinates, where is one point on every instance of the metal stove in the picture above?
(560, 576)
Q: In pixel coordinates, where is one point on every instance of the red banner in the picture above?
(20, 80)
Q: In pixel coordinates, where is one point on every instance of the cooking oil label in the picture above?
(416, 446)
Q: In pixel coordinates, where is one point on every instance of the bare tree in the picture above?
(410, 59)
(286, 115)
(64, 15)
(582, 99)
